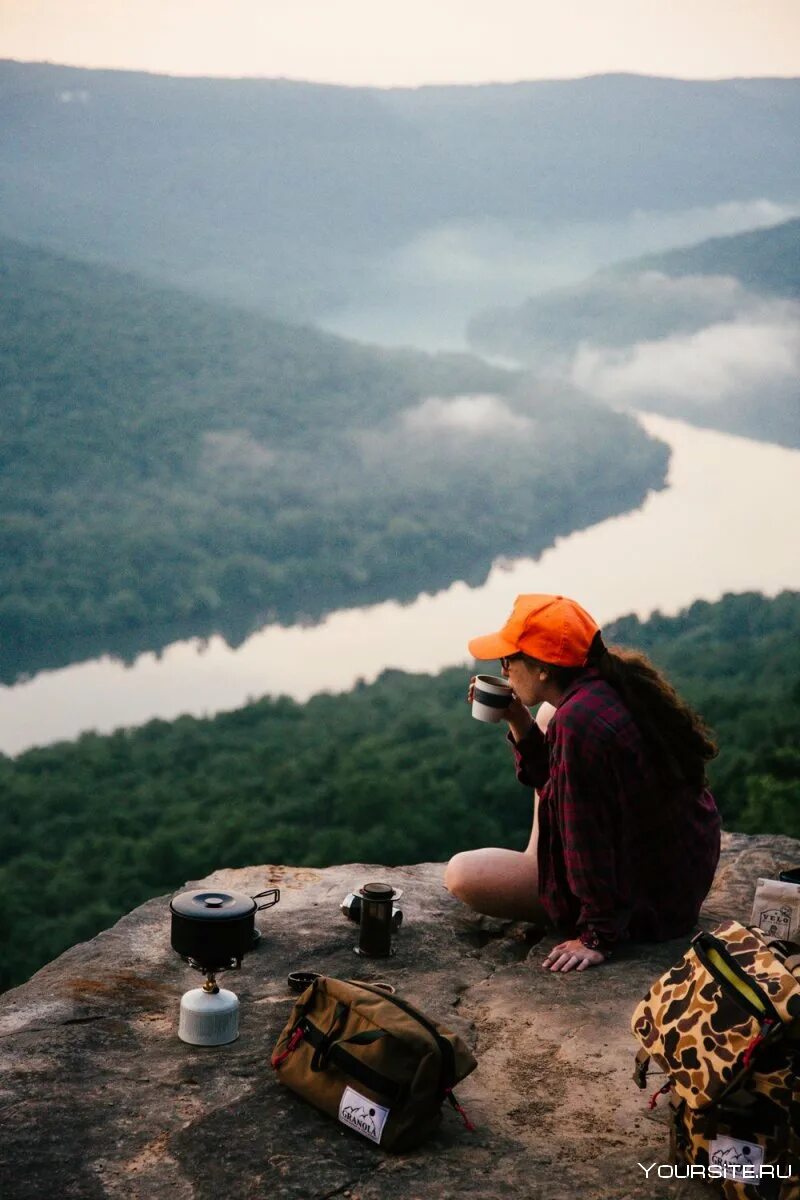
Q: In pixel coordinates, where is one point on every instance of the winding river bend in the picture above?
(727, 522)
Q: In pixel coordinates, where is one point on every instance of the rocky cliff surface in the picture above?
(100, 1099)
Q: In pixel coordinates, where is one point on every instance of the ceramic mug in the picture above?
(491, 697)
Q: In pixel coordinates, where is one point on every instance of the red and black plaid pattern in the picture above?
(623, 850)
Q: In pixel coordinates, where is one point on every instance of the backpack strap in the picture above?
(641, 1068)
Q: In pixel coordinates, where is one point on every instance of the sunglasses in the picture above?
(511, 658)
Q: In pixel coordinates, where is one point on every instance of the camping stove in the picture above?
(212, 931)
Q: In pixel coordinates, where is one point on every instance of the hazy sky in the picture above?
(393, 42)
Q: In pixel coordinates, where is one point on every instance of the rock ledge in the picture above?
(99, 1099)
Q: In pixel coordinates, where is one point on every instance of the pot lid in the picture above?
(213, 906)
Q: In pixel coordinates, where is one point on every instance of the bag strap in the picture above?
(323, 1046)
(641, 1068)
(335, 1055)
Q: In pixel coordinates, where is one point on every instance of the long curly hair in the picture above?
(675, 735)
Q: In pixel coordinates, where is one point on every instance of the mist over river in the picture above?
(727, 522)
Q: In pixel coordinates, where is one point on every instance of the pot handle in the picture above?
(274, 892)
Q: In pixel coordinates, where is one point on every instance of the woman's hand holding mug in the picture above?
(489, 705)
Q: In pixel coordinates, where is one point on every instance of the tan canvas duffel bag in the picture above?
(371, 1060)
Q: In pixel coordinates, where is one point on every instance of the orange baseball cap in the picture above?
(551, 628)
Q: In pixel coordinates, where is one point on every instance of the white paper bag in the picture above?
(776, 909)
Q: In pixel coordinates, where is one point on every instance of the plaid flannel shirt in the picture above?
(623, 852)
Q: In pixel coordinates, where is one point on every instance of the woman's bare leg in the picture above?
(533, 841)
(543, 716)
(498, 882)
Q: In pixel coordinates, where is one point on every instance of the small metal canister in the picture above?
(209, 1016)
(375, 926)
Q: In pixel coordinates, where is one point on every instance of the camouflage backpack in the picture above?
(723, 1025)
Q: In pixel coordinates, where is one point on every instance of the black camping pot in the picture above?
(215, 929)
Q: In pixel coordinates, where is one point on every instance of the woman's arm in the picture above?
(527, 740)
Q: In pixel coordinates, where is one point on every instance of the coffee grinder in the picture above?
(376, 920)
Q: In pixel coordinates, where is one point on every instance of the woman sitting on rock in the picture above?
(626, 835)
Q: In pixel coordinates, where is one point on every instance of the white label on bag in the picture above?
(741, 1160)
(363, 1115)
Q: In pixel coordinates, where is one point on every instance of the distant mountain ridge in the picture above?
(281, 194)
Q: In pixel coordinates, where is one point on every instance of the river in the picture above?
(727, 522)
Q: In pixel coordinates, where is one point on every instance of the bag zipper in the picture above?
(723, 966)
(716, 957)
(467, 1123)
(298, 1033)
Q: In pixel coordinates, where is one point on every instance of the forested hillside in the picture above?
(164, 459)
(663, 295)
(395, 772)
(710, 333)
(765, 260)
